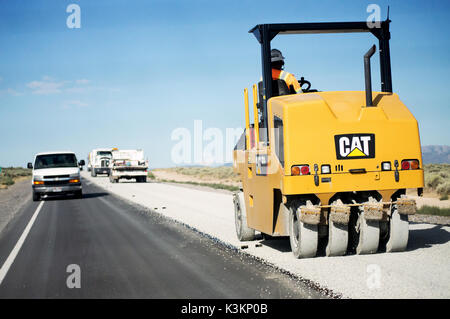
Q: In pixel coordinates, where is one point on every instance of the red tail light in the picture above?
(410, 164)
(405, 165)
(304, 170)
(300, 170)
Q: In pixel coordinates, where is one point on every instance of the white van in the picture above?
(56, 173)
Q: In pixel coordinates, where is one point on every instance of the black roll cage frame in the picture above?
(265, 33)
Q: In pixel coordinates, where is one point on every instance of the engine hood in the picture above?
(336, 128)
(56, 171)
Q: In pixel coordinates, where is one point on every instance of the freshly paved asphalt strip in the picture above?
(103, 247)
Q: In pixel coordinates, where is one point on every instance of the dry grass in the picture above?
(437, 179)
(220, 174)
(221, 177)
(9, 175)
(432, 210)
(205, 172)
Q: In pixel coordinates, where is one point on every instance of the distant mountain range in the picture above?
(436, 154)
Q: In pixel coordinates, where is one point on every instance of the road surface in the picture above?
(103, 247)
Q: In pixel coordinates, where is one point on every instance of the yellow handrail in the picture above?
(255, 114)
(247, 120)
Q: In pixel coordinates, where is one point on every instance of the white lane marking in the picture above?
(9, 261)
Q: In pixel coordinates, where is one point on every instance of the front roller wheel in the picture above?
(243, 232)
(302, 237)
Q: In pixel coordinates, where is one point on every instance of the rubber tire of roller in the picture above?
(243, 232)
(306, 245)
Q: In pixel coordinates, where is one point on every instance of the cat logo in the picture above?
(354, 146)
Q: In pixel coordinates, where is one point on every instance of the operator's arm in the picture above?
(291, 80)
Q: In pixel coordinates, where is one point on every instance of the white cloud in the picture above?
(47, 86)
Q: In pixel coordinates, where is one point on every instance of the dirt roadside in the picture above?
(12, 199)
(162, 174)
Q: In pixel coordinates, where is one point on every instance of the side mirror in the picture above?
(82, 163)
(30, 166)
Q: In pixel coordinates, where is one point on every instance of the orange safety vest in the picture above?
(288, 78)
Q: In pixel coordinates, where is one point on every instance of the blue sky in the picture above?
(136, 70)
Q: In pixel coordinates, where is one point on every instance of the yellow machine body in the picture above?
(311, 125)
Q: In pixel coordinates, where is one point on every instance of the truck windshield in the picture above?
(107, 154)
(55, 160)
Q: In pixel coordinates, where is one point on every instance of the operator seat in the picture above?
(279, 87)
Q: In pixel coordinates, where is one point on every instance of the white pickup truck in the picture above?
(128, 164)
(56, 173)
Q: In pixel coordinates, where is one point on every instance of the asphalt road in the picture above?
(103, 247)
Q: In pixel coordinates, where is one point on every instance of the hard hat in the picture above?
(275, 55)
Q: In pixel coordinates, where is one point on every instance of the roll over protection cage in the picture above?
(264, 33)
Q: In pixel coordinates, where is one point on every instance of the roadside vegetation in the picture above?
(220, 177)
(433, 210)
(437, 179)
(223, 173)
(9, 175)
(212, 185)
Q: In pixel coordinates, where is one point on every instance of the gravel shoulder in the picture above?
(12, 199)
(420, 272)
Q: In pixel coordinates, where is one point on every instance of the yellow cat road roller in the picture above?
(328, 169)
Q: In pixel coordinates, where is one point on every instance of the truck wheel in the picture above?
(243, 232)
(302, 237)
(36, 197)
(79, 194)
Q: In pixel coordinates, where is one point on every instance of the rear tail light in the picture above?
(410, 164)
(300, 170)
